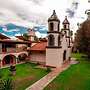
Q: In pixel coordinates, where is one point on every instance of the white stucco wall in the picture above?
(55, 26)
(69, 52)
(21, 45)
(54, 57)
(64, 43)
(38, 57)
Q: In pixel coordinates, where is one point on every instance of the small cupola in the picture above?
(53, 17)
(66, 23)
(31, 34)
(54, 22)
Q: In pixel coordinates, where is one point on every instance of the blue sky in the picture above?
(35, 12)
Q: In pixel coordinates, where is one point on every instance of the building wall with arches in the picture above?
(14, 58)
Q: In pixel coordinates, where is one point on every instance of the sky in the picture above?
(36, 12)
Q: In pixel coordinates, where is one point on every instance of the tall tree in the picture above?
(82, 39)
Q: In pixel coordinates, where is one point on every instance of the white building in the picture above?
(58, 49)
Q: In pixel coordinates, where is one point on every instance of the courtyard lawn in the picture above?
(26, 74)
(77, 77)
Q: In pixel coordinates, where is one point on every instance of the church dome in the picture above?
(53, 17)
(66, 21)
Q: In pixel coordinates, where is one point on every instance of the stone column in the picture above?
(16, 60)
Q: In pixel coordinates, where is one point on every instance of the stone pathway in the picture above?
(73, 61)
(43, 82)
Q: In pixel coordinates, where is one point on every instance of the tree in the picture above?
(82, 39)
(1, 74)
(36, 38)
(25, 36)
(6, 84)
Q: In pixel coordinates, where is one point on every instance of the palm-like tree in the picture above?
(6, 84)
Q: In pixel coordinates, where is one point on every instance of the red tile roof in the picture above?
(20, 37)
(14, 42)
(40, 46)
(3, 36)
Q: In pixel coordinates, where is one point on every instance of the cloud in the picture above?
(21, 11)
(37, 1)
(31, 12)
(12, 30)
(19, 34)
(38, 34)
(72, 10)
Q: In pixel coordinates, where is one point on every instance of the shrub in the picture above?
(1, 73)
(6, 84)
(48, 69)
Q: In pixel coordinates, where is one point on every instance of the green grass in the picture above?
(77, 77)
(26, 74)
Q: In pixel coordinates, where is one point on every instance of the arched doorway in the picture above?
(9, 59)
(22, 57)
(64, 55)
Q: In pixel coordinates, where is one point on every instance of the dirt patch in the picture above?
(21, 81)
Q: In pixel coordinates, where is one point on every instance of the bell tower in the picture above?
(53, 48)
(53, 31)
(66, 26)
(66, 30)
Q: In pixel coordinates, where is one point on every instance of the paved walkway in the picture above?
(43, 82)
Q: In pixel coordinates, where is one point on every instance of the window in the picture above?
(51, 27)
(51, 40)
(64, 55)
(4, 48)
(64, 26)
(59, 40)
(65, 32)
(58, 27)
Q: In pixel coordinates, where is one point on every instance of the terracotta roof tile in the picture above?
(15, 42)
(41, 46)
(20, 37)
